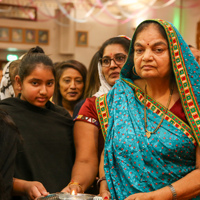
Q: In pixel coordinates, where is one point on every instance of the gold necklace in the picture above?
(148, 133)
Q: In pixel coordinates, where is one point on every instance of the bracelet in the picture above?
(75, 183)
(174, 195)
(101, 179)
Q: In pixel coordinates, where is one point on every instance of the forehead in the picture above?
(113, 49)
(149, 35)
(71, 72)
(40, 71)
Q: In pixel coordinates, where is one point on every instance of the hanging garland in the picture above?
(102, 7)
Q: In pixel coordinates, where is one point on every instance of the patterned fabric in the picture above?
(102, 114)
(134, 163)
(87, 119)
(88, 112)
(6, 84)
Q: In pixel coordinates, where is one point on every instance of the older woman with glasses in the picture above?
(87, 131)
(107, 69)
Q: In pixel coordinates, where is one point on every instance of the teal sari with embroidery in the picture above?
(134, 163)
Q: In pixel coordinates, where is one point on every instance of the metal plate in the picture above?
(49, 197)
(79, 196)
(67, 196)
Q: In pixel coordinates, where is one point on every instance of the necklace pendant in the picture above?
(148, 134)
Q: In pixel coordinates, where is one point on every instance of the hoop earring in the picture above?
(134, 72)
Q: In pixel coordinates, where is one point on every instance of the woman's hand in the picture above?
(141, 196)
(75, 188)
(34, 189)
(31, 189)
(105, 194)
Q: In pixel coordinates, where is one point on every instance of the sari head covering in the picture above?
(134, 163)
(104, 86)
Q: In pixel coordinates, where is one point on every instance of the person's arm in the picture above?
(103, 190)
(85, 168)
(31, 189)
(185, 188)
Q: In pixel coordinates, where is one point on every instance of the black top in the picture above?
(9, 141)
(47, 154)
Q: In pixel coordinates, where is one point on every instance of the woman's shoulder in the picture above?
(91, 99)
(77, 108)
(88, 112)
(10, 100)
(89, 103)
(9, 104)
(88, 106)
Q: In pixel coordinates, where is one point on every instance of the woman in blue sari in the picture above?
(151, 120)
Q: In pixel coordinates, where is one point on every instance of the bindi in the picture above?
(147, 43)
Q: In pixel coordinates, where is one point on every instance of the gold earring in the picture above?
(134, 72)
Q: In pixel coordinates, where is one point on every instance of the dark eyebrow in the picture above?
(67, 76)
(160, 43)
(155, 44)
(106, 57)
(138, 44)
(36, 79)
(117, 54)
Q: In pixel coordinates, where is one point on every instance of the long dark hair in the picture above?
(92, 81)
(6, 121)
(60, 68)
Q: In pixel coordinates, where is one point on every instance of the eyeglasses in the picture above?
(118, 59)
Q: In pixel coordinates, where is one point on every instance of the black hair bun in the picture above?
(36, 49)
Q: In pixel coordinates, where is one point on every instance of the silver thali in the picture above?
(67, 196)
